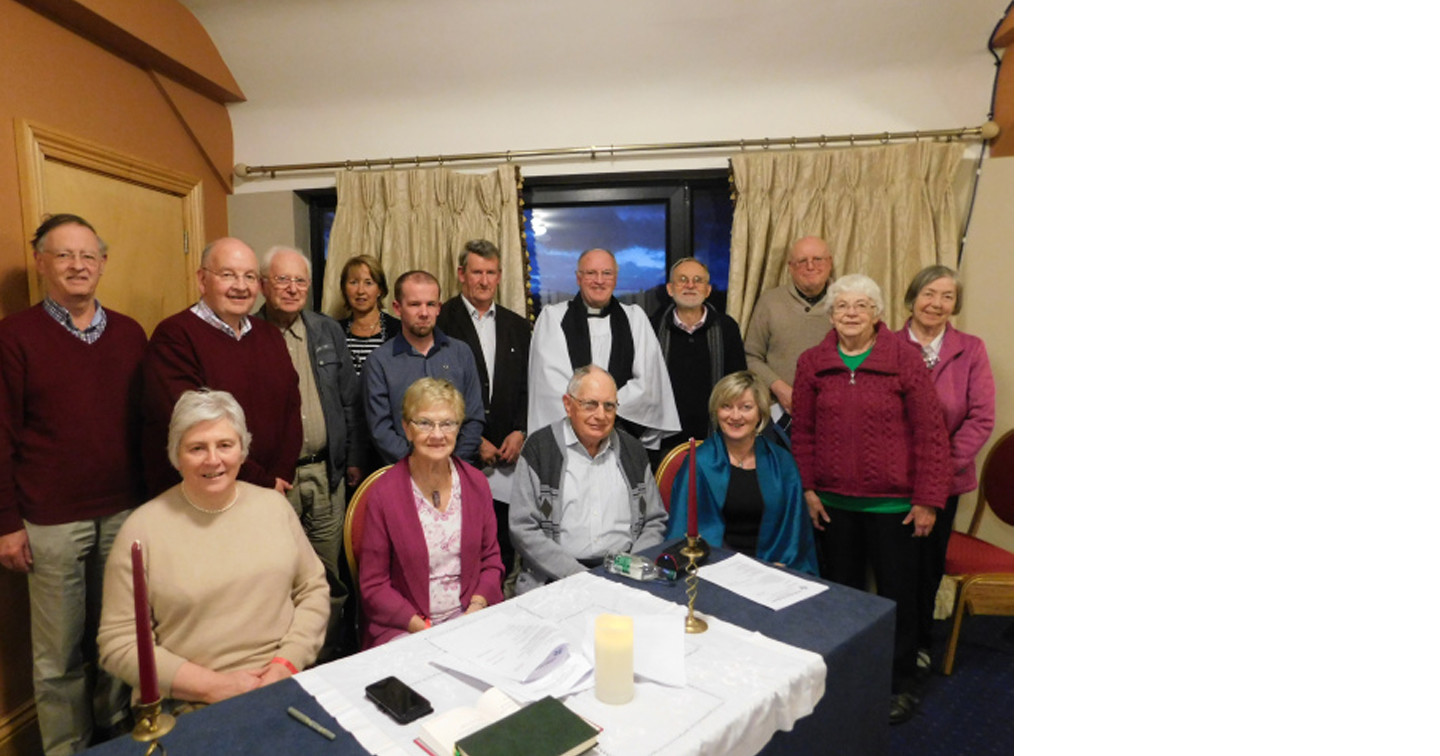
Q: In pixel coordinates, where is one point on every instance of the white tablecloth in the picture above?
(741, 687)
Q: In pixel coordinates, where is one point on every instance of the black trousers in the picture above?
(932, 568)
(857, 541)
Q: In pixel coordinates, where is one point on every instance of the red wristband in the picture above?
(282, 661)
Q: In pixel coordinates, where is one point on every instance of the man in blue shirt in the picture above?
(419, 351)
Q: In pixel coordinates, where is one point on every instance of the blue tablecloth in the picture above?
(852, 630)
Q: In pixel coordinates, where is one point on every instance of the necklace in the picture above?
(365, 329)
(234, 496)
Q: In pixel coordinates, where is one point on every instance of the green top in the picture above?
(853, 361)
(867, 504)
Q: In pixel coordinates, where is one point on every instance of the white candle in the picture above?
(614, 659)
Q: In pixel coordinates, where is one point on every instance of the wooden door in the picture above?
(148, 215)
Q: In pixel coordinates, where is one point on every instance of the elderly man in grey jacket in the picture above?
(331, 417)
(583, 488)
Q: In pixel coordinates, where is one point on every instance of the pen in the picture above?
(418, 742)
(300, 717)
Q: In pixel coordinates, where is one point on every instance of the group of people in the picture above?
(511, 457)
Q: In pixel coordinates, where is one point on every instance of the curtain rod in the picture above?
(989, 130)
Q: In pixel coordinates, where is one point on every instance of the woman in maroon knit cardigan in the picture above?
(869, 438)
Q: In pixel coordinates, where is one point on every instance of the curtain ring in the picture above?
(767, 143)
(852, 140)
(347, 165)
(507, 156)
(885, 139)
(392, 163)
(917, 136)
(822, 141)
(793, 143)
(742, 145)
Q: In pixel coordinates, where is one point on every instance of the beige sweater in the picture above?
(227, 591)
(781, 327)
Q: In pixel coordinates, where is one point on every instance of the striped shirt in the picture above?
(62, 316)
(362, 346)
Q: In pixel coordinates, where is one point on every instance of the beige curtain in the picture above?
(420, 219)
(886, 212)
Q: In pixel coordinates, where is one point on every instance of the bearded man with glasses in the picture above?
(583, 488)
(218, 344)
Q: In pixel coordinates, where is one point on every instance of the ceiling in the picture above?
(290, 51)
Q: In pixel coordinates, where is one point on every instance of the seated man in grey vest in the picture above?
(583, 488)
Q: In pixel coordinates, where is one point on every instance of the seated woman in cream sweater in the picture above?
(238, 598)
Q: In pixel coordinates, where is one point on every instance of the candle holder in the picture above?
(693, 550)
(151, 724)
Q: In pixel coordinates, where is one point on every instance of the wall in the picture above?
(988, 310)
(100, 96)
(267, 219)
(89, 84)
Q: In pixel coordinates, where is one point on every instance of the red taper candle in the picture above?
(694, 529)
(144, 642)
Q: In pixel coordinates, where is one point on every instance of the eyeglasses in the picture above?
(590, 405)
(600, 274)
(687, 280)
(282, 281)
(229, 277)
(852, 307)
(88, 259)
(428, 426)
(810, 262)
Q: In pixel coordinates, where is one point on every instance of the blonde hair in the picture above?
(732, 387)
(428, 392)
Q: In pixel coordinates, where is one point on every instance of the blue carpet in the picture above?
(972, 712)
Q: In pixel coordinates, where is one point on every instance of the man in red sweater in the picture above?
(69, 472)
(217, 344)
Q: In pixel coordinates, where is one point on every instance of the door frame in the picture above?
(36, 143)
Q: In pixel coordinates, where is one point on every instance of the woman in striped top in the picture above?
(368, 325)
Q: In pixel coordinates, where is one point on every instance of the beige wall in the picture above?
(988, 311)
(267, 219)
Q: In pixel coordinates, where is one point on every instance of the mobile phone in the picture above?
(399, 701)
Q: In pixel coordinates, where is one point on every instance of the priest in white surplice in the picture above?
(595, 328)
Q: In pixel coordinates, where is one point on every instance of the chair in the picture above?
(669, 468)
(985, 574)
(354, 529)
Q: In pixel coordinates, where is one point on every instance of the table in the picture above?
(850, 629)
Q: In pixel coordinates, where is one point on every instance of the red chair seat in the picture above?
(968, 555)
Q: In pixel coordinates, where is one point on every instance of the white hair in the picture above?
(269, 258)
(856, 283)
(201, 406)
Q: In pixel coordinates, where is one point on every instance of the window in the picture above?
(647, 220)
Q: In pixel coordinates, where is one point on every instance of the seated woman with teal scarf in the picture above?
(749, 497)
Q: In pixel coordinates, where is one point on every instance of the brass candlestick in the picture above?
(693, 550)
(151, 724)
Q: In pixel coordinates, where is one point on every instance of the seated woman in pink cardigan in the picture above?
(429, 552)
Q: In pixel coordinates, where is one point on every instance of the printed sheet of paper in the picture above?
(760, 582)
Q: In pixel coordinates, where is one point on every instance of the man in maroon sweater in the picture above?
(217, 344)
(69, 472)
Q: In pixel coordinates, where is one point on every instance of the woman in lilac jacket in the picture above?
(429, 553)
(961, 369)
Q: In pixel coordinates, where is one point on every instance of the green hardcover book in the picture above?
(544, 728)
